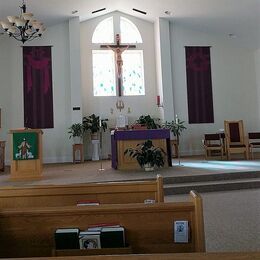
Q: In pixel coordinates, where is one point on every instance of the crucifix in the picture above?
(118, 49)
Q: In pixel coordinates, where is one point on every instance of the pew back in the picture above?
(69, 195)
(29, 232)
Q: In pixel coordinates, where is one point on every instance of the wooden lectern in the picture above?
(26, 154)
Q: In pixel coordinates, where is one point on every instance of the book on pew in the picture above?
(67, 238)
(112, 237)
(89, 239)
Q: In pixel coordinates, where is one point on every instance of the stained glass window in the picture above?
(133, 75)
(104, 73)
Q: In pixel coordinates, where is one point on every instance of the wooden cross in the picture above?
(118, 49)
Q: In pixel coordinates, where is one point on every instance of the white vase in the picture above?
(95, 150)
(77, 140)
(148, 167)
(94, 136)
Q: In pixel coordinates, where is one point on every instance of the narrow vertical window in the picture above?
(133, 75)
(104, 73)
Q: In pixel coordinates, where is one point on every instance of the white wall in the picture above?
(56, 146)
(102, 105)
(233, 83)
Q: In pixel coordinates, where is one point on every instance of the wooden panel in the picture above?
(69, 195)
(128, 163)
(2, 155)
(149, 228)
(101, 251)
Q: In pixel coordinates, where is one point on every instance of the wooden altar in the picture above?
(121, 140)
(26, 154)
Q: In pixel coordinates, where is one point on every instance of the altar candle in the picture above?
(158, 101)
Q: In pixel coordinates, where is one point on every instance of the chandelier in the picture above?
(23, 28)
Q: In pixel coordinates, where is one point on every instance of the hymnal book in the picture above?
(112, 237)
(89, 239)
(67, 238)
(88, 203)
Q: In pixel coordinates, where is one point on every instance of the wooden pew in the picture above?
(69, 195)
(172, 256)
(29, 232)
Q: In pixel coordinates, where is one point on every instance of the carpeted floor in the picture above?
(231, 220)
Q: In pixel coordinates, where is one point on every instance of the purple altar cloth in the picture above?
(140, 135)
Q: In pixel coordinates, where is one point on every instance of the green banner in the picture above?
(25, 146)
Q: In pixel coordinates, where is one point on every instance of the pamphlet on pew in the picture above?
(88, 203)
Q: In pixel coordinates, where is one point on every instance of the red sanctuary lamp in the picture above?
(158, 101)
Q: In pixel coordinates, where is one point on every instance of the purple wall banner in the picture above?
(199, 85)
(37, 87)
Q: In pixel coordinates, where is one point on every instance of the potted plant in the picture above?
(147, 121)
(94, 124)
(147, 155)
(176, 127)
(76, 132)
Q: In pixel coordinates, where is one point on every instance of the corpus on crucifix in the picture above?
(118, 49)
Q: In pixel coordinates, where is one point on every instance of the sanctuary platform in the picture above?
(191, 173)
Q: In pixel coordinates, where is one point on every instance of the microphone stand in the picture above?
(179, 157)
(100, 146)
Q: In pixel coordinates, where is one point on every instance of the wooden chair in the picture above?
(213, 142)
(235, 139)
(254, 143)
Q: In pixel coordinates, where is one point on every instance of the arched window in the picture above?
(109, 77)
(104, 32)
(129, 32)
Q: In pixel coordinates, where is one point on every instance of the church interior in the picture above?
(84, 89)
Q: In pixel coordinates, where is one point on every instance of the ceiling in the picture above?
(240, 18)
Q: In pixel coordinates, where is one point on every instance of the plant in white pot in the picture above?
(147, 155)
(94, 124)
(76, 132)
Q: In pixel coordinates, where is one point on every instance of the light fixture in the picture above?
(232, 36)
(168, 12)
(23, 28)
